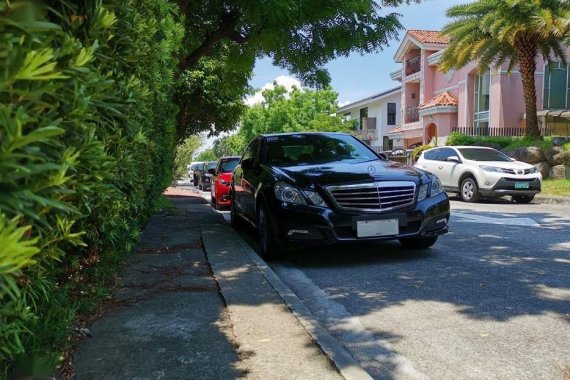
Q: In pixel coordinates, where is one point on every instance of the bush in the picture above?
(86, 145)
(418, 150)
(498, 142)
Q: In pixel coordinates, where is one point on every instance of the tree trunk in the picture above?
(526, 54)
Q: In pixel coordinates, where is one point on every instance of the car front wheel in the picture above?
(523, 198)
(270, 249)
(469, 190)
(235, 220)
(418, 243)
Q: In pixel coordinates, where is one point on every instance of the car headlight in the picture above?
(288, 193)
(436, 187)
(315, 198)
(533, 170)
(222, 182)
(493, 169)
(423, 193)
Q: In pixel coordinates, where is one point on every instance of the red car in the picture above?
(221, 181)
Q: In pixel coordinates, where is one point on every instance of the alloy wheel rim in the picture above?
(468, 190)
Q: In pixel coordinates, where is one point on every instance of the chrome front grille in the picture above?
(377, 196)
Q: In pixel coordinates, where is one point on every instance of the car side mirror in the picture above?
(382, 155)
(454, 159)
(212, 171)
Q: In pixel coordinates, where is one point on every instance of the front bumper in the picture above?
(506, 186)
(307, 225)
(222, 194)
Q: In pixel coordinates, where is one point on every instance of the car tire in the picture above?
(469, 191)
(418, 243)
(270, 248)
(195, 181)
(524, 199)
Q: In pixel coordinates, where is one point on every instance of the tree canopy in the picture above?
(299, 36)
(282, 111)
(495, 32)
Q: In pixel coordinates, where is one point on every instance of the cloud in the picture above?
(342, 104)
(283, 80)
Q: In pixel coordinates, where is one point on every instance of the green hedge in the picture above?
(498, 142)
(86, 143)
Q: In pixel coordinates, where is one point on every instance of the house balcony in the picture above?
(412, 115)
(367, 131)
(413, 65)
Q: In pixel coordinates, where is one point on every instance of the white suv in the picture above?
(473, 171)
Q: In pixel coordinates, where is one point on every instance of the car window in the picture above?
(212, 165)
(434, 154)
(303, 149)
(251, 150)
(429, 155)
(484, 154)
(445, 153)
(227, 165)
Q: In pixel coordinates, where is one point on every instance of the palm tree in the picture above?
(514, 31)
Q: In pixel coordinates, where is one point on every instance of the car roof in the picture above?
(304, 133)
(226, 157)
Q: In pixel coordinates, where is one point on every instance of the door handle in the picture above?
(441, 167)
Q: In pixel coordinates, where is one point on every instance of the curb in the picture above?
(337, 355)
(347, 366)
(552, 200)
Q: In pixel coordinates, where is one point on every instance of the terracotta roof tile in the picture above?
(443, 99)
(429, 36)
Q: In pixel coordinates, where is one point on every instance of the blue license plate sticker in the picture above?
(522, 185)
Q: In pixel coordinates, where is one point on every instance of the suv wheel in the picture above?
(469, 190)
(523, 198)
(418, 243)
(270, 249)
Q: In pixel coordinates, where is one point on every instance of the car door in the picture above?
(244, 180)
(429, 162)
(446, 170)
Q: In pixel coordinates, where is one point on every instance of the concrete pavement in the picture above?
(179, 314)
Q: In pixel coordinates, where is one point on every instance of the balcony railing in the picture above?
(413, 65)
(412, 115)
(367, 129)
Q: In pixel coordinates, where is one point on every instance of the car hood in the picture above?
(503, 164)
(306, 176)
(227, 177)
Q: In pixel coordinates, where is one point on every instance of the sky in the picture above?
(356, 77)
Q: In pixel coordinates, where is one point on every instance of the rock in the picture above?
(555, 155)
(567, 158)
(511, 153)
(561, 140)
(530, 154)
(558, 172)
(544, 168)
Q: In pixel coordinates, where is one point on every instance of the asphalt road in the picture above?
(491, 300)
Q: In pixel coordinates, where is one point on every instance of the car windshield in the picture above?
(482, 154)
(212, 164)
(302, 149)
(228, 164)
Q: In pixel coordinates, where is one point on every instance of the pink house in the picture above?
(433, 103)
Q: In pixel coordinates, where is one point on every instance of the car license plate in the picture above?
(372, 228)
(522, 185)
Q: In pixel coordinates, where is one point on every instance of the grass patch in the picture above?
(556, 187)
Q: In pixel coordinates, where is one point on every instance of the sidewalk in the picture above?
(180, 313)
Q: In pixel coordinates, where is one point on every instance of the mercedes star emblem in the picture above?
(372, 170)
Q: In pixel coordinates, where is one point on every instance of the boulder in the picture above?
(544, 168)
(561, 140)
(530, 154)
(567, 158)
(511, 153)
(558, 172)
(555, 155)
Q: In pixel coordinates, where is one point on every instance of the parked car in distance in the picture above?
(221, 181)
(191, 168)
(194, 172)
(206, 172)
(315, 189)
(475, 171)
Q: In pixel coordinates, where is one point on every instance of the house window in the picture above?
(556, 86)
(482, 101)
(391, 113)
(363, 114)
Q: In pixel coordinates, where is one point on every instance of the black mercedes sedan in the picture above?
(307, 189)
